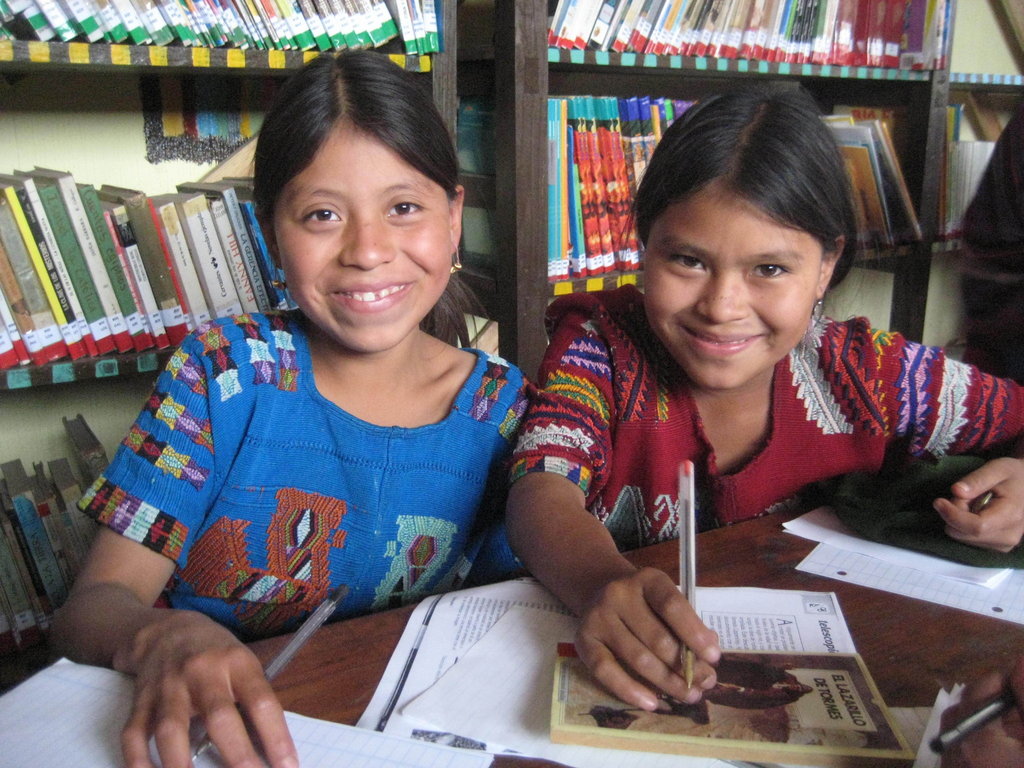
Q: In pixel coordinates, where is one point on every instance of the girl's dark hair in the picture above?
(771, 148)
(369, 92)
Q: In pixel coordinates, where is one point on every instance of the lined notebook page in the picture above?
(71, 715)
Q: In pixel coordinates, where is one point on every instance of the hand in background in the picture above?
(1000, 525)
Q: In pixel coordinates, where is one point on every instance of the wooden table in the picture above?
(912, 647)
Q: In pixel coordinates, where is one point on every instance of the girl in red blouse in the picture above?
(725, 360)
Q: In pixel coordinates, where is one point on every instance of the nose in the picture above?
(367, 244)
(723, 299)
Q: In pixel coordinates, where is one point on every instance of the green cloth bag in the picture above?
(898, 510)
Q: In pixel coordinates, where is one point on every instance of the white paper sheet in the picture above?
(1003, 602)
(823, 526)
(70, 715)
(500, 698)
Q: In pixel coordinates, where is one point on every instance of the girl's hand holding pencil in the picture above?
(634, 638)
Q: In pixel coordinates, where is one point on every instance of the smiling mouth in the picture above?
(368, 296)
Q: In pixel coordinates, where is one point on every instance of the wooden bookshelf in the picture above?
(526, 72)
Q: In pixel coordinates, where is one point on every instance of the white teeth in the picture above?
(373, 295)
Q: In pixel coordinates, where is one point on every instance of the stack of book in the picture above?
(260, 24)
(885, 212)
(599, 148)
(86, 271)
(44, 538)
(912, 34)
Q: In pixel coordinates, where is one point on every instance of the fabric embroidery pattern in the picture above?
(134, 518)
(424, 545)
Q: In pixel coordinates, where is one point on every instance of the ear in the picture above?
(455, 205)
(829, 259)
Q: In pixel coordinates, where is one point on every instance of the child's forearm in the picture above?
(560, 542)
(97, 622)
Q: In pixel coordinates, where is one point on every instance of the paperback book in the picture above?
(818, 709)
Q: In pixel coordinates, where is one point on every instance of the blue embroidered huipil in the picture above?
(266, 495)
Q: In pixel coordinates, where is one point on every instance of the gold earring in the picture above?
(280, 284)
(456, 261)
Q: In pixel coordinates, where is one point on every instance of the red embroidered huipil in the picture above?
(615, 416)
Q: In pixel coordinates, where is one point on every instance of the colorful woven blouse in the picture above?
(614, 416)
(267, 495)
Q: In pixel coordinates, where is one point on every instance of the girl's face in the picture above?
(365, 241)
(729, 291)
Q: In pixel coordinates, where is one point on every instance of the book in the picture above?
(88, 450)
(232, 248)
(19, 352)
(45, 256)
(79, 274)
(226, 192)
(155, 257)
(820, 709)
(34, 625)
(72, 200)
(24, 292)
(69, 490)
(116, 219)
(132, 313)
(211, 262)
(186, 274)
(21, 616)
(38, 550)
(61, 542)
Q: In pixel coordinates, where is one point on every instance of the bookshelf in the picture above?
(526, 72)
(109, 390)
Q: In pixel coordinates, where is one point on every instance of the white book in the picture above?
(212, 264)
(197, 312)
(230, 245)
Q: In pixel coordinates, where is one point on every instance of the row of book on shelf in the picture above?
(87, 271)
(911, 34)
(966, 161)
(260, 24)
(44, 537)
(599, 147)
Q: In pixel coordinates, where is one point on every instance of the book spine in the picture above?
(40, 332)
(193, 301)
(133, 320)
(39, 253)
(272, 276)
(38, 545)
(78, 270)
(94, 259)
(23, 624)
(7, 304)
(233, 253)
(36, 204)
(143, 304)
(38, 604)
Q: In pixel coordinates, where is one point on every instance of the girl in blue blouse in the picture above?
(348, 442)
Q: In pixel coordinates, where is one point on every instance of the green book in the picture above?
(78, 269)
(115, 271)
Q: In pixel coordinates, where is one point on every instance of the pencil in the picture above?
(312, 623)
(687, 551)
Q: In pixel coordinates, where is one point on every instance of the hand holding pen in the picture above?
(985, 507)
(986, 728)
(309, 627)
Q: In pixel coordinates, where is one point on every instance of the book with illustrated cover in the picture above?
(819, 709)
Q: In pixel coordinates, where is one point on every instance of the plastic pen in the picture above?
(687, 552)
(312, 623)
(972, 722)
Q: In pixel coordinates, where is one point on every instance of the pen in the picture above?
(974, 721)
(312, 623)
(687, 551)
(981, 502)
